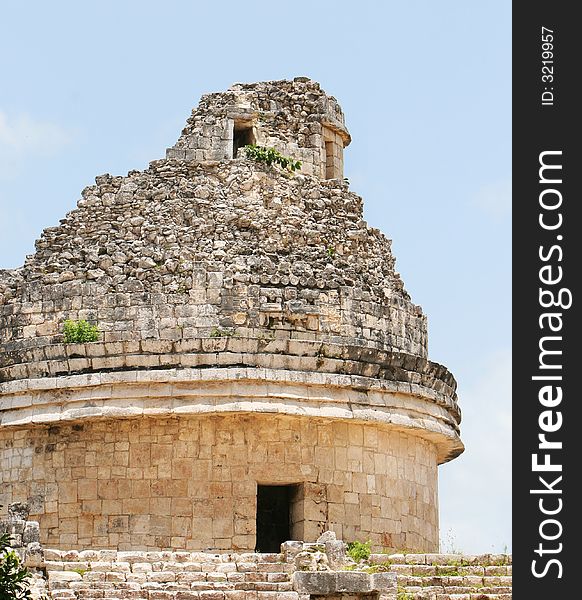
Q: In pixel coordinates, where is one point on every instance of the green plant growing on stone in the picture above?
(270, 156)
(403, 594)
(381, 568)
(447, 570)
(358, 551)
(217, 332)
(349, 568)
(384, 567)
(458, 562)
(14, 584)
(79, 332)
(449, 544)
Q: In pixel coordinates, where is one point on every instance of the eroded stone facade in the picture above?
(253, 331)
(295, 117)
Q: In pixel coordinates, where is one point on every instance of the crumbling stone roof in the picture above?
(202, 244)
(289, 113)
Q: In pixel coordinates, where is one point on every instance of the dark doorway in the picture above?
(273, 507)
(242, 136)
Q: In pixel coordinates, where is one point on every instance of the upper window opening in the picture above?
(242, 136)
(329, 161)
(333, 144)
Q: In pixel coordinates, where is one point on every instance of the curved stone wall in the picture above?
(190, 482)
(187, 250)
(253, 330)
(396, 372)
(178, 392)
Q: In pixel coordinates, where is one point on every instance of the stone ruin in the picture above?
(261, 374)
(321, 570)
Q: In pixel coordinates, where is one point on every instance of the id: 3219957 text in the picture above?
(547, 66)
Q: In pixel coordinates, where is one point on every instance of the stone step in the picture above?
(114, 556)
(441, 570)
(452, 581)
(482, 560)
(124, 567)
(412, 593)
(109, 575)
(174, 595)
(70, 579)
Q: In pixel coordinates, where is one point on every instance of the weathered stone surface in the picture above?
(352, 581)
(329, 583)
(311, 560)
(198, 245)
(325, 537)
(121, 575)
(291, 549)
(315, 583)
(336, 553)
(18, 511)
(253, 328)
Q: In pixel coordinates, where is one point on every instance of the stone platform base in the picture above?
(301, 571)
(109, 575)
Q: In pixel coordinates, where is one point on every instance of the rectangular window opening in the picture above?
(275, 522)
(329, 162)
(242, 136)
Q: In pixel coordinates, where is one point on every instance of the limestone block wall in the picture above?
(191, 483)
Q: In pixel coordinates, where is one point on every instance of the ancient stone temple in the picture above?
(260, 375)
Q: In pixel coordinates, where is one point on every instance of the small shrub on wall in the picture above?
(271, 156)
(14, 583)
(79, 332)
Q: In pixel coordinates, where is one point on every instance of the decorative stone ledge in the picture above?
(342, 356)
(191, 391)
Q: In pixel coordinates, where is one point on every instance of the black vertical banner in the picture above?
(547, 256)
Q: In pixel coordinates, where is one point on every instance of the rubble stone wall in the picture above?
(295, 117)
(184, 251)
(236, 576)
(190, 483)
(24, 540)
(24, 535)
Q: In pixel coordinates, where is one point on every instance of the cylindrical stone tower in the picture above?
(261, 374)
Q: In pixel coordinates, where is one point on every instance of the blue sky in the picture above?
(95, 87)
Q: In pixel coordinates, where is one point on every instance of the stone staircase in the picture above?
(302, 571)
(448, 576)
(110, 575)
